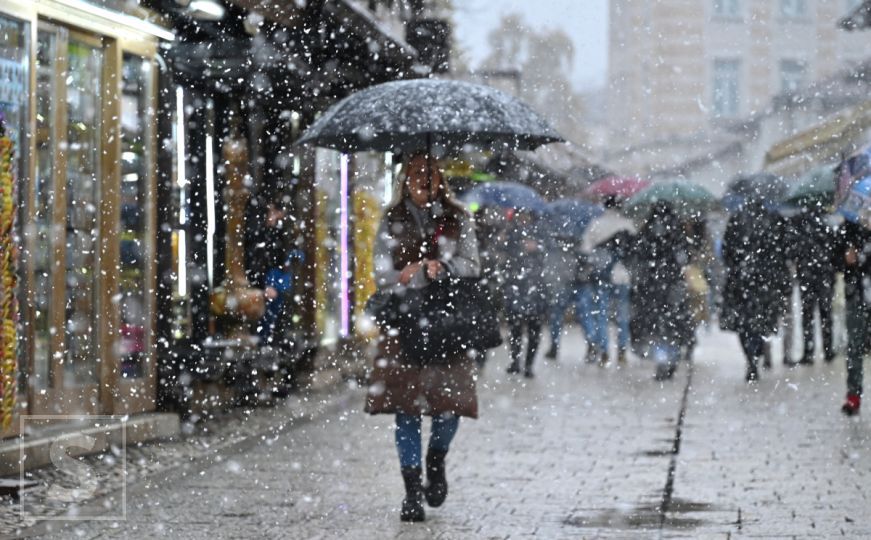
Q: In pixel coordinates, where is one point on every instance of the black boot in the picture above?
(436, 482)
(752, 374)
(552, 353)
(412, 504)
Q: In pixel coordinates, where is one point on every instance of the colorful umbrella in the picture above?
(568, 218)
(504, 195)
(684, 197)
(615, 186)
(857, 206)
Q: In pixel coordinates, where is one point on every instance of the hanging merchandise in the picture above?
(8, 307)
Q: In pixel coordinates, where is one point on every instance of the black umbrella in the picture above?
(421, 114)
(761, 187)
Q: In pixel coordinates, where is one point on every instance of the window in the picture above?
(726, 85)
(727, 8)
(791, 75)
(793, 9)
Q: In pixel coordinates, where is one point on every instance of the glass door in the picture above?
(83, 84)
(135, 355)
(65, 220)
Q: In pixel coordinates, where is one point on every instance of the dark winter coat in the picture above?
(758, 284)
(660, 304)
(522, 271)
(857, 277)
(398, 383)
(812, 248)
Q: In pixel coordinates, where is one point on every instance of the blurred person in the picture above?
(660, 312)
(425, 235)
(697, 274)
(757, 279)
(561, 290)
(811, 251)
(854, 250)
(523, 290)
(603, 248)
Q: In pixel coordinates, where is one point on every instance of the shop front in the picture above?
(82, 111)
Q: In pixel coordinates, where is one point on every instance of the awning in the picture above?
(828, 141)
(283, 12)
(362, 22)
(358, 19)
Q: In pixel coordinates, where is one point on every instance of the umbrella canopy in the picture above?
(685, 198)
(504, 195)
(422, 114)
(816, 188)
(763, 187)
(615, 186)
(851, 170)
(568, 218)
(857, 206)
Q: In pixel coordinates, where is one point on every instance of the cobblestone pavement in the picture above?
(578, 452)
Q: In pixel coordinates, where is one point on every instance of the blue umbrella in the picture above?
(504, 195)
(857, 206)
(569, 217)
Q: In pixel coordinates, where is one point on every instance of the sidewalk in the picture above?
(579, 452)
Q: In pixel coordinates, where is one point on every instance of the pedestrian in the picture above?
(561, 290)
(697, 274)
(604, 246)
(757, 279)
(660, 312)
(267, 261)
(489, 225)
(811, 250)
(424, 236)
(523, 290)
(854, 247)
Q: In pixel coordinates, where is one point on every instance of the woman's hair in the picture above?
(400, 184)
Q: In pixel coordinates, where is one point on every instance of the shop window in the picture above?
(793, 9)
(45, 233)
(727, 9)
(136, 156)
(83, 154)
(15, 111)
(726, 87)
(792, 75)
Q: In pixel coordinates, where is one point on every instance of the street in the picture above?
(578, 452)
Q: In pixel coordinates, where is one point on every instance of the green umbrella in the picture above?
(685, 198)
(815, 188)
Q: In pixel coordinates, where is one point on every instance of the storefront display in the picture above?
(86, 228)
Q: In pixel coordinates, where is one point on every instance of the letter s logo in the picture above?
(82, 474)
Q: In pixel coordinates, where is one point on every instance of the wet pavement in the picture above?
(579, 452)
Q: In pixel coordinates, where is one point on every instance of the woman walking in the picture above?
(425, 236)
(757, 280)
(523, 290)
(661, 322)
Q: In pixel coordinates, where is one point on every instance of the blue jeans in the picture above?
(622, 307)
(594, 305)
(569, 296)
(408, 436)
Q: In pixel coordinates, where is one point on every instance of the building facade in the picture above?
(678, 68)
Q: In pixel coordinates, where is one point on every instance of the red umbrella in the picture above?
(615, 186)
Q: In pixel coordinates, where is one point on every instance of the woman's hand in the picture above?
(408, 272)
(433, 268)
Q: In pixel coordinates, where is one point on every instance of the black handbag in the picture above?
(448, 318)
